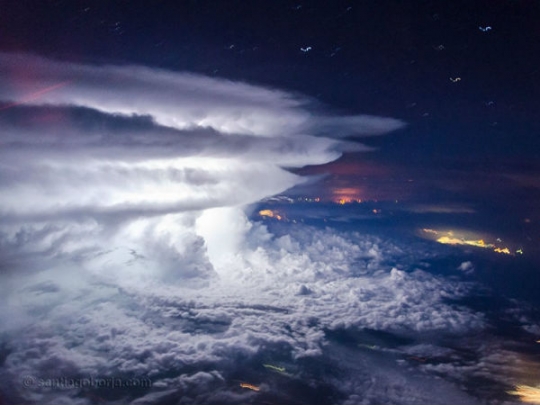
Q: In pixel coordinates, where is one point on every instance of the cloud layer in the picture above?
(126, 249)
(120, 143)
(134, 178)
(278, 298)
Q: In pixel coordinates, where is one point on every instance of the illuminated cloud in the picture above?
(126, 249)
(149, 120)
(93, 323)
(177, 100)
(97, 157)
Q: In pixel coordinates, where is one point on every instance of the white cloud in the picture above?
(176, 100)
(126, 250)
(132, 146)
(120, 322)
(466, 267)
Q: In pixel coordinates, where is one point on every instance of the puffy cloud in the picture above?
(108, 324)
(108, 321)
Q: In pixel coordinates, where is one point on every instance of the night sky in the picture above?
(471, 139)
(266, 183)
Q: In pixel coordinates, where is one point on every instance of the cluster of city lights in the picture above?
(466, 238)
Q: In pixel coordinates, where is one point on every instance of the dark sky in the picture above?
(472, 139)
(137, 233)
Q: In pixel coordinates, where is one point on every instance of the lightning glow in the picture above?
(35, 96)
(526, 393)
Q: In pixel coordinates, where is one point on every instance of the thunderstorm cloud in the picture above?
(126, 248)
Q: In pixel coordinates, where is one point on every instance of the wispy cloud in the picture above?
(150, 139)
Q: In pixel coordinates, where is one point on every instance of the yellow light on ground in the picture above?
(281, 370)
(270, 214)
(275, 368)
(527, 394)
(462, 237)
(346, 195)
(447, 240)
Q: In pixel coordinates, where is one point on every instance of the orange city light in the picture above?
(250, 386)
(527, 394)
(271, 214)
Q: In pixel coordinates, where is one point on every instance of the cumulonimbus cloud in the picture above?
(125, 249)
(116, 142)
(132, 178)
(83, 137)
